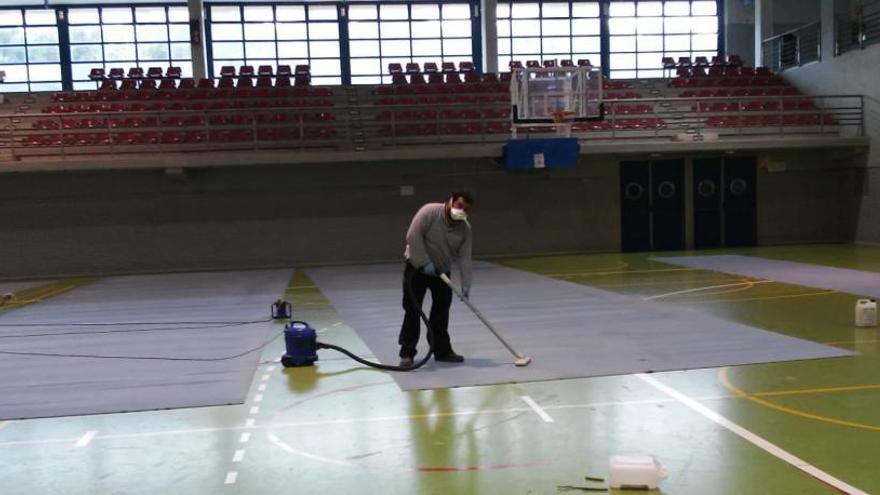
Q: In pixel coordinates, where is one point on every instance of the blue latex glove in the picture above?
(429, 269)
(466, 292)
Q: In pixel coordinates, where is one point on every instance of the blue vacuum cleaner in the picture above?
(301, 342)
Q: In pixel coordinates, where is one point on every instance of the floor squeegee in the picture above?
(519, 359)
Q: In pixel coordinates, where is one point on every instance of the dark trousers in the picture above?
(441, 297)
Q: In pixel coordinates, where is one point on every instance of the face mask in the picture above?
(458, 214)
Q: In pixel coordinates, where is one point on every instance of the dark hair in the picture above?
(465, 195)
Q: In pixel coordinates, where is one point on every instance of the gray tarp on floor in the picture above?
(570, 330)
(823, 277)
(59, 386)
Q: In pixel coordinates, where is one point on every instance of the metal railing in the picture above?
(374, 127)
(859, 28)
(793, 48)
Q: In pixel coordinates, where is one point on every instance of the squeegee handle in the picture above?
(479, 315)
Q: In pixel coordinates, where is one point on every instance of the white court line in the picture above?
(270, 368)
(231, 477)
(249, 423)
(255, 410)
(245, 437)
(699, 289)
(239, 455)
(86, 439)
(535, 407)
(262, 387)
(258, 398)
(264, 377)
(752, 438)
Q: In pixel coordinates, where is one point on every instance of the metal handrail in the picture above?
(857, 29)
(793, 48)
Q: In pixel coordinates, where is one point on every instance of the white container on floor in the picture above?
(866, 313)
(635, 471)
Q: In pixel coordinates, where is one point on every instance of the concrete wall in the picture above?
(854, 72)
(130, 221)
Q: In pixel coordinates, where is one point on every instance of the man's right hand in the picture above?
(429, 269)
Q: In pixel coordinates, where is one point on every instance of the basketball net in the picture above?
(563, 119)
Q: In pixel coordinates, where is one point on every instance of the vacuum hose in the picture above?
(407, 283)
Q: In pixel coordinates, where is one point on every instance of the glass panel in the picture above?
(262, 31)
(650, 60)
(259, 50)
(322, 12)
(650, 42)
(186, 67)
(42, 17)
(323, 31)
(45, 72)
(585, 26)
(79, 34)
(363, 30)
(291, 31)
(11, 36)
(704, 24)
(428, 29)
(83, 53)
(456, 47)
(11, 18)
(623, 44)
(526, 28)
(677, 8)
(153, 51)
(705, 42)
(673, 43)
(366, 66)
(622, 25)
(116, 15)
(118, 33)
(677, 25)
(395, 48)
(293, 49)
(14, 55)
(556, 27)
(228, 50)
(585, 9)
(363, 48)
(178, 32)
(704, 8)
(503, 11)
(361, 12)
(41, 35)
(556, 45)
(394, 29)
(504, 46)
(425, 11)
(15, 73)
(652, 73)
(290, 13)
(618, 9)
(427, 47)
(37, 54)
(527, 45)
(152, 32)
(178, 14)
(326, 67)
(524, 10)
(324, 48)
(586, 44)
(150, 14)
(457, 11)
(83, 16)
(650, 9)
(119, 51)
(226, 31)
(554, 10)
(258, 13)
(225, 13)
(649, 25)
(456, 29)
(623, 61)
(181, 51)
(366, 80)
(46, 86)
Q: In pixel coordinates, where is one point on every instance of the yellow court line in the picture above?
(747, 283)
(765, 298)
(821, 390)
(865, 341)
(618, 272)
(723, 378)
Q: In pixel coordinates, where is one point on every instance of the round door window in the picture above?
(666, 189)
(738, 187)
(634, 191)
(706, 188)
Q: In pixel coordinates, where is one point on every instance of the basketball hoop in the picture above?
(563, 120)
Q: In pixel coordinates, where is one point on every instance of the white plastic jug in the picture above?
(635, 471)
(866, 313)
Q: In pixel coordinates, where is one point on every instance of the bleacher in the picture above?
(278, 108)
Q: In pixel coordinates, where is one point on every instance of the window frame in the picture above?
(25, 45)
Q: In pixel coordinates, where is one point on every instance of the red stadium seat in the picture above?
(549, 63)
(135, 73)
(430, 67)
(734, 61)
(395, 68)
(155, 73)
(447, 67)
(187, 83)
(584, 62)
(566, 62)
(227, 71)
(174, 72)
(466, 67)
(284, 70)
(413, 68)
(246, 71)
(97, 74)
(116, 73)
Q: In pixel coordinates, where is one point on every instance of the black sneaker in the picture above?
(407, 362)
(450, 358)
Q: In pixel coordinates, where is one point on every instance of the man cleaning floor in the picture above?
(438, 236)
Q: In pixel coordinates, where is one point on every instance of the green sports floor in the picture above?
(340, 429)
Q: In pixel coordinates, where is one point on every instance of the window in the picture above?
(642, 32)
(29, 51)
(277, 34)
(402, 33)
(549, 30)
(125, 37)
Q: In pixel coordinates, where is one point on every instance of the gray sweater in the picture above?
(431, 239)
